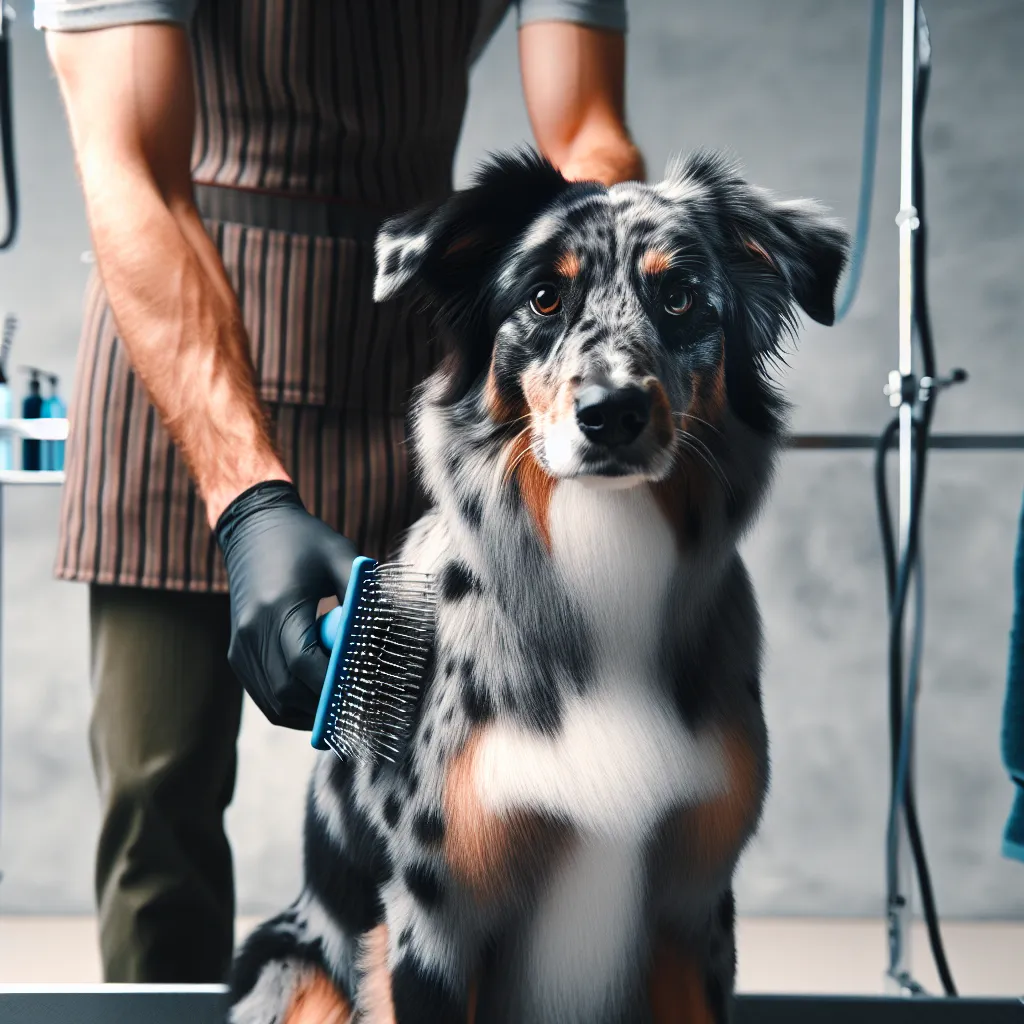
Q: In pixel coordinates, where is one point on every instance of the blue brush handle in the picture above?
(334, 629)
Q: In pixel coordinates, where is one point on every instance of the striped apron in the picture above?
(315, 119)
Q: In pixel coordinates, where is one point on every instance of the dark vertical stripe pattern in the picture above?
(346, 101)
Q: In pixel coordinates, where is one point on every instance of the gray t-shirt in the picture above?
(81, 15)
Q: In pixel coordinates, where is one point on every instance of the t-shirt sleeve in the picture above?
(608, 14)
(82, 15)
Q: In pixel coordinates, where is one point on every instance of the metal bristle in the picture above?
(376, 694)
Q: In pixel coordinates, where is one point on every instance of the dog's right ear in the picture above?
(444, 250)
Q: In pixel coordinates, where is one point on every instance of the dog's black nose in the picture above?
(612, 417)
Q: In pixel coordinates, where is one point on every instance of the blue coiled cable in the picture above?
(869, 151)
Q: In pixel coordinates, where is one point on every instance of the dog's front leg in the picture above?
(416, 969)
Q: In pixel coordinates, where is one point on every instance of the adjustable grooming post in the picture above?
(902, 394)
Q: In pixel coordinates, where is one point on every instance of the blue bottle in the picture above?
(54, 408)
(6, 404)
(32, 409)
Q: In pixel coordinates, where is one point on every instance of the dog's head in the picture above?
(613, 323)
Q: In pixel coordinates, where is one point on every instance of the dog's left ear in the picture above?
(444, 250)
(803, 245)
(762, 238)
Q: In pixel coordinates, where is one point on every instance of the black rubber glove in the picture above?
(280, 561)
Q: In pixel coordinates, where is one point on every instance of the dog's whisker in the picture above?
(694, 445)
(510, 469)
(697, 419)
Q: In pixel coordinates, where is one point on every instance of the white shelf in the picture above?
(30, 478)
(36, 430)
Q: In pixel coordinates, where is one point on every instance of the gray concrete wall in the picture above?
(781, 84)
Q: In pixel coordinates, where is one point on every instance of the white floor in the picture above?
(775, 955)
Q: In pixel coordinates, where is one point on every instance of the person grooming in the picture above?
(237, 386)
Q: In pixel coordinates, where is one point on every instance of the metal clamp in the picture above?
(901, 389)
(906, 389)
(908, 215)
(928, 385)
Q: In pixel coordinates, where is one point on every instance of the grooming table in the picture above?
(206, 1004)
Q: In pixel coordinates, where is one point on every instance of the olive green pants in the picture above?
(166, 712)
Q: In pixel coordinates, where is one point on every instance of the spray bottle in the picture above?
(6, 449)
(55, 409)
(32, 409)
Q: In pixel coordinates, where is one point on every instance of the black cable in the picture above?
(7, 135)
(898, 576)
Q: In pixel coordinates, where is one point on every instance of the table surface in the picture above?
(207, 1005)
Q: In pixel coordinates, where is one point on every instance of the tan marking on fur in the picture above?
(535, 484)
(655, 261)
(536, 487)
(760, 252)
(487, 853)
(538, 394)
(661, 412)
(564, 405)
(462, 243)
(317, 1001)
(375, 1003)
(711, 833)
(497, 408)
(568, 265)
(720, 825)
(685, 494)
(677, 496)
(709, 398)
(677, 991)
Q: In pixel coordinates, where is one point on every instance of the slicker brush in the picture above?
(380, 640)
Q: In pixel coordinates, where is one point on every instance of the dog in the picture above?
(589, 757)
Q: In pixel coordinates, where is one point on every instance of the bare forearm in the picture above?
(131, 111)
(573, 81)
(180, 323)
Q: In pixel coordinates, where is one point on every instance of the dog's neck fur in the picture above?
(620, 553)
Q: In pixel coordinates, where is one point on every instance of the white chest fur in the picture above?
(620, 762)
(622, 758)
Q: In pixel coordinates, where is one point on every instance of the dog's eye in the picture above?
(545, 301)
(678, 300)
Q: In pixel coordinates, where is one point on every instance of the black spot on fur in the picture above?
(449, 667)
(392, 810)
(476, 701)
(428, 734)
(694, 526)
(754, 687)
(456, 581)
(403, 937)
(425, 885)
(421, 997)
(428, 827)
(347, 883)
(727, 912)
(472, 510)
(393, 262)
(718, 1001)
(272, 940)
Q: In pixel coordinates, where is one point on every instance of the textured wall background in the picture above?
(782, 85)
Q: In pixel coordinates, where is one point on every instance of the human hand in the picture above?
(608, 162)
(280, 562)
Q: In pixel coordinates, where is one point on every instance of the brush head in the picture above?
(381, 641)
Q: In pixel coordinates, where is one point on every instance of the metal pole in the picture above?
(1, 660)
(899, 911)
